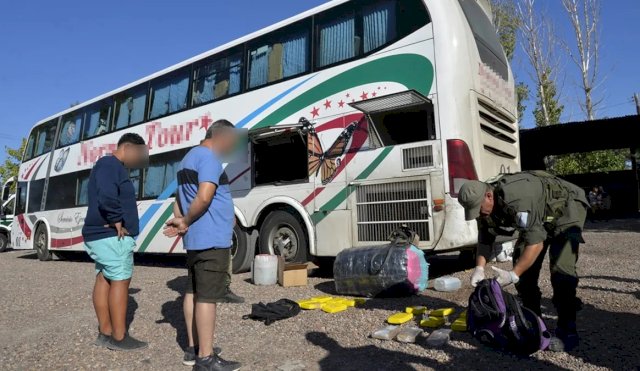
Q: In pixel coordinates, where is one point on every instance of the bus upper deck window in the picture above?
(130, 107)
(46, 134)
(169, 94)
(217, 79)
(97, 119)
(70, 131)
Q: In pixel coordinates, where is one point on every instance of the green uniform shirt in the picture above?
(536, 206)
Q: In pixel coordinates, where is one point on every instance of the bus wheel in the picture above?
(41, 245)
(241, 253)
(4, 242)
(282, 234)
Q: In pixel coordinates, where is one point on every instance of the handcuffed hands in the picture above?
(477, 276)
(505, 278)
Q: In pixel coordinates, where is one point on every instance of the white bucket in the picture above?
(264, 270)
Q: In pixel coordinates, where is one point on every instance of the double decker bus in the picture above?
(362, 115)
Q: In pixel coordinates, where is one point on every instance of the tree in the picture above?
(539, 43)
(507, 23)
(11, 163)
(585, 20)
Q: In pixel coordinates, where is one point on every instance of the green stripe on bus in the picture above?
(411, 70)
(332, 204)
(156, 228)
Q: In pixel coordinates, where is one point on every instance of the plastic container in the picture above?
(408, 334)
(264, 270)
(439, 338)
(399, 318)
(447, 284)
(386, 333)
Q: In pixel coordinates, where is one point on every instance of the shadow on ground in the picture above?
(172, 310)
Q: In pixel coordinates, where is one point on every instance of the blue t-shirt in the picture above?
(214, 229)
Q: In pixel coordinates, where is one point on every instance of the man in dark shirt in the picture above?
(110, 224)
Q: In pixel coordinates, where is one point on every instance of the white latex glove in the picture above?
(505, 278)
(477, 276)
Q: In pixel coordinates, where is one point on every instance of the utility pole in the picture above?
(636, 97)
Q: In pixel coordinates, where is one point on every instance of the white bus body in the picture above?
(423, 100)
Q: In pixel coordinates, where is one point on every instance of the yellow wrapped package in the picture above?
(441, 312)
(432, 322)
(309, 304)
(416, 310)
(333, 307)
(459, 325)
(321, 299)
(400, 318)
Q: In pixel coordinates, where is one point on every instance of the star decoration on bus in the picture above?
(331, 103)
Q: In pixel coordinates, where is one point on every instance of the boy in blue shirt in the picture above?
(109, 227)
(205, 217)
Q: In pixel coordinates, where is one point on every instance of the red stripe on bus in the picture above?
(175, 243)
(312, 196)
(26, 176)
(60, 243)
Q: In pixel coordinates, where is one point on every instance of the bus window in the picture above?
(97, 119)
(217, 79)
(28, 150)
(36, 187)
(277, 57)
(487, 41)
(379, 24)
(21, 198)
(130, 106)
(60, 195)
(82, 191)
(70, 132)
(337, 39)
(161, 172)
(44, 141)
(134, 175)
(8, 209)
(169, 94)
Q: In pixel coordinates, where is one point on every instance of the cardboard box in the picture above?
(291, 274)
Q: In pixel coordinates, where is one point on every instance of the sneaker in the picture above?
(215, 363)
(128, 343)
(232, 298)
(189, 358)
(565, 340)
(102, 340)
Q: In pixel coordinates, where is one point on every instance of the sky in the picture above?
(55, 53)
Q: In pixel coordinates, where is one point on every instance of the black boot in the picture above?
(566, 303)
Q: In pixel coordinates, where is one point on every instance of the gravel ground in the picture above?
(47, 320)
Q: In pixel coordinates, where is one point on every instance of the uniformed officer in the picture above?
(549, 214)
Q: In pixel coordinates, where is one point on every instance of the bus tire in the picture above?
(241, 253)
(283, 234)
(40, 243)
(4, 242)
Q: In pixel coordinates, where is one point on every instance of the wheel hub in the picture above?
(285, 242)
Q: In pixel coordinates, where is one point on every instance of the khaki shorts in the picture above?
(209, 274)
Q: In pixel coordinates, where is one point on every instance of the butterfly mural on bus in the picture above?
(326, 163)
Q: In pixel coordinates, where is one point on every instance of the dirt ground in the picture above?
(47, 319)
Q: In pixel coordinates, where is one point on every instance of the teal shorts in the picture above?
(113, 257)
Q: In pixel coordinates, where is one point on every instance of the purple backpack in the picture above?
(497, 319)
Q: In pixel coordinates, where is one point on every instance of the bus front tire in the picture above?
(4, 242)
(41, 245)
(282, 234)
(241, 253)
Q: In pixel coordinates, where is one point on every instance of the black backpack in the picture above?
(271, 312)
(496, 318)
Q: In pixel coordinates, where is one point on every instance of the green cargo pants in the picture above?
(563, 250)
